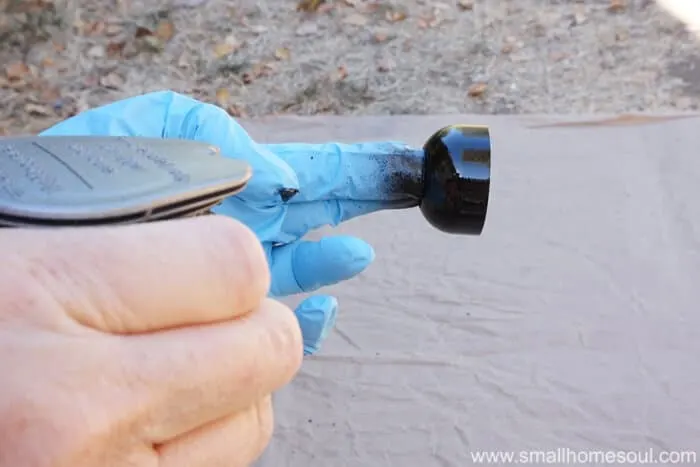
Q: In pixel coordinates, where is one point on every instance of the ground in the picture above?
(262, 57)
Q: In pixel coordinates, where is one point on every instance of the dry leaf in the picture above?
(341, 73)
(431, 21)
(265, 69)
(37, 110)
(385, 65)
(258, 70)
(142, 32)
(96, 51)
(617, 6)
(236, 111)
(183, 61)
(282, 53)
(165, 30)
(356, 19)
(477, 89)
(153, 43)
(112, 81)
(223, 96)
(258, 29)
(50, 94)
(621, 35)
(557, 56)
(115, 49)
(189, 3)
(579, 16)
(395, 16)
(465, 5)
(91, 80)
(227, 47)
(509, 45)
(112, 30)
(16, 71)
(93, 28)
(309, 5)
(307, 29)
(155, 40)
(380, 37)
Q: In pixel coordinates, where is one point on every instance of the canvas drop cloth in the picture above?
(572, 322)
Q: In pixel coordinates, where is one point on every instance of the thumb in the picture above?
(141, 278)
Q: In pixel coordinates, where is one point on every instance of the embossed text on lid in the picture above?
(87, 178)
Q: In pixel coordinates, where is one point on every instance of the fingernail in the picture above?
(314, 329)
(331, 314)
(362, 255)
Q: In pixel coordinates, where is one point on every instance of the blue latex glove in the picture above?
(336, 182)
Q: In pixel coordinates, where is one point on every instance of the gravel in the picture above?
(260, 58)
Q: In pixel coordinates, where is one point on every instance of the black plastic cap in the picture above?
(457, 175)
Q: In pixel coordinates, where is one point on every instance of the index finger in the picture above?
(190, 377)
(145, 278)
(383, 172)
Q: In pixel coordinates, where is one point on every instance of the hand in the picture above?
(139, 345)
(336, 182)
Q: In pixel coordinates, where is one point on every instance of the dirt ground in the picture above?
(266, 57)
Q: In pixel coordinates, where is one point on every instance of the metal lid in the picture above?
(92, 180)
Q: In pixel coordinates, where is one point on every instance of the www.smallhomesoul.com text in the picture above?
(564, 456)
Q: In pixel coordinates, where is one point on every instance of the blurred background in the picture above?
(267, 57)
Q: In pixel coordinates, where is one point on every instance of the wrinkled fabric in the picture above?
(336, 182)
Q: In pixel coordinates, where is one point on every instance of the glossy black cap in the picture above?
(457, 177)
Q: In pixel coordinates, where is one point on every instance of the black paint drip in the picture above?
(287, 193)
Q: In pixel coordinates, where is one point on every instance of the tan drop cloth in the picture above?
(573, 322)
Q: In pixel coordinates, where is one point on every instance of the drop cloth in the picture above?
(572, 323)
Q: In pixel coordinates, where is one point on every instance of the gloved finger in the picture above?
(302, 218)
(287, 223)
(144, 116)
(316, 317)
(265, 221)
(305, 266)
(166, 114)
(361, 172)
(273, 179)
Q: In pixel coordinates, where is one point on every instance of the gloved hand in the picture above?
(335, 182)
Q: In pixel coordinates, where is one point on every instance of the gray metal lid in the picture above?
(92, 180)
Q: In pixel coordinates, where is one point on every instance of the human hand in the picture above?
(336, 182)
(139, 345)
